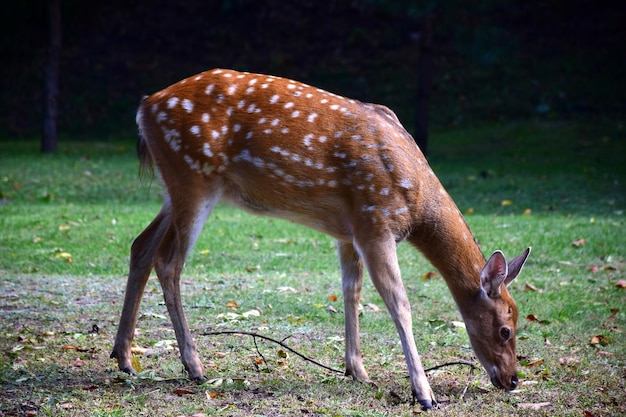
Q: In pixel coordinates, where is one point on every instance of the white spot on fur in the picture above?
(295, 114)
(172, 102)
(289, 105)
(274, 99)
(209, 89)
(404, 183)
(311, 117)
(206, 117)
(401, 210)
(206, 149)
(187, 105)
(195, 130)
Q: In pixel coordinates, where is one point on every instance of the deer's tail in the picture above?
(146, 165)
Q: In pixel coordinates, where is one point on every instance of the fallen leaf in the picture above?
(69, 347)
(251, 313)
(458, 324)
(621, 283)
(65, 255)
(232, 304)
(505, 203)
(579, 242)
(332, 297)
(593, 269)
(570, 361)
(183, 391)
(210, 395)
(64, 227)
(533, 318)
(531, 287)
(17, 185)
(80, 362)
(587, 413)
(429, 275)
(373, 307)
(534, 363)
(138, 350)
(134, 360)
(469, 211)
(600, 340)
(528, 212)
(533, 406)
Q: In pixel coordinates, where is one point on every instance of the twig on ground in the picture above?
(443, 365)
(255, 335)
(313, 361)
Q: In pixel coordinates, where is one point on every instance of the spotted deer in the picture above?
(281, 148)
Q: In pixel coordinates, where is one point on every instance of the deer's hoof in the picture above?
(427, 404)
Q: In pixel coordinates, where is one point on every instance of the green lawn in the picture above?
(67, 222)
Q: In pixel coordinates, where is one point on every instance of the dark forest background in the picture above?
(494, 61)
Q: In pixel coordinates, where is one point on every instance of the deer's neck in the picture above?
(446, 240)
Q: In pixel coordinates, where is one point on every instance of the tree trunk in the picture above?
(424, 82)
(49, 134)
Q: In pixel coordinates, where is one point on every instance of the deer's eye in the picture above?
(505, 333)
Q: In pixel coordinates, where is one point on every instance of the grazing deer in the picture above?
(281, 148)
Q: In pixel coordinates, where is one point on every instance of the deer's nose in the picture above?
(514, 382)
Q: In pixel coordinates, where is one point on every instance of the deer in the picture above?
(278, 147)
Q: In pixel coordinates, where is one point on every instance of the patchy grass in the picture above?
(68, 220)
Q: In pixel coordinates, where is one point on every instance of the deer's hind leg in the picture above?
(186, 224)
(352, 282)
(142, 256)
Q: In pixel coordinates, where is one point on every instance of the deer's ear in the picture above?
(494, 274)
(515, 266)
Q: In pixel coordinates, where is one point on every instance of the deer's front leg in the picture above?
(382, 263)
(352, 281)
(141, 260)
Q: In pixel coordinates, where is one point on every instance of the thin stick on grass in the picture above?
(313, 361)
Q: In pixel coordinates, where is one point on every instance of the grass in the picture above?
(68, 220)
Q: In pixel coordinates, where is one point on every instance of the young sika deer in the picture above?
(281, 148)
